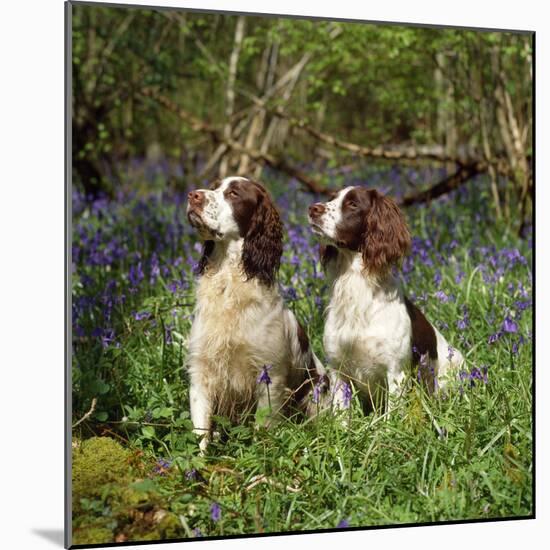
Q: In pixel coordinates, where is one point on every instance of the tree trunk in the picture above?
(230, 88)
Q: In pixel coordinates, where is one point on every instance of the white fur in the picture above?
(217, 214)
(325, 227)
(240, 325)
(368, 333)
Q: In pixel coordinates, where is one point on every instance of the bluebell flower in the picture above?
(173, 286)
(522, 305)
(141, 315)
(473, 376)
(450, 352)
(162, 466)
(264, 377)
(215, 511)
(108, 337)
(135, 275)
(509, 326)
(191, 475)
(462, 324)
(342, 524)
(290, 293)
(345, 388)
(155, 269)
(319, 388)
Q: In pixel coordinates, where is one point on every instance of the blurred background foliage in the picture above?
(213, 94)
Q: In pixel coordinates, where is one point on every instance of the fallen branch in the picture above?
(448, 184)
(397, 153)
(464, 173)
(385, 153)
(88, 414)
(218, 136)
(262, 478)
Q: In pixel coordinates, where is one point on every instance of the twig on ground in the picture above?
(88, 414)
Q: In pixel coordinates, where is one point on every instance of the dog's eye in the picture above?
(352, 205)
(233, 193)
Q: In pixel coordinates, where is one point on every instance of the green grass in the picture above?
(380, 470)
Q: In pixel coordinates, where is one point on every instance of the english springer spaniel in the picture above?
(373, 333)
(246, 349)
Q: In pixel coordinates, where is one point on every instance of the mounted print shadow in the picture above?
(300, 283)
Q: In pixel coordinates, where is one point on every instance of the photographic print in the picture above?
(300, 274)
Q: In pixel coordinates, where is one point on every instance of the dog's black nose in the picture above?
(316, 210)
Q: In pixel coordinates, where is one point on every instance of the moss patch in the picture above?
(92, 535)
(97, 462)
(112, 502)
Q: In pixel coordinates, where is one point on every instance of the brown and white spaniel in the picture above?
(373, 333)
(246, 349)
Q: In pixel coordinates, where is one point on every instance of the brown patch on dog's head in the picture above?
(373, 224)
(260, 225)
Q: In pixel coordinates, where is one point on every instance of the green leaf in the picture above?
(144, 486)
(262, 415)
(163, 412)
(148, 432)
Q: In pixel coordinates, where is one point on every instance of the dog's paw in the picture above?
(205, 440)
(203, 445)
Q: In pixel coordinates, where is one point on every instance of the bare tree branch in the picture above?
(385, 153)
(218, 136)
(448, 184)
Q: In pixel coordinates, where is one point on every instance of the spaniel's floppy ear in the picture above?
(207, 249)
(387, 239)
(263, 242)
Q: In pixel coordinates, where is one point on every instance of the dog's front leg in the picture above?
(396, 377)
(396, 386)
(201, 413)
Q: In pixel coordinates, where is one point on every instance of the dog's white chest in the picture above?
(234, 316)
(367, 329)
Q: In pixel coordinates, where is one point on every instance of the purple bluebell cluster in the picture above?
(134, 257)
(475, 375)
